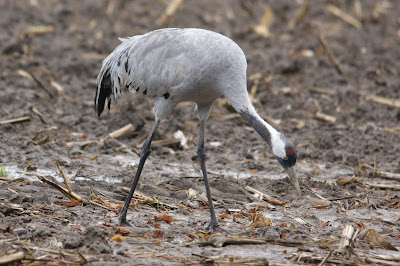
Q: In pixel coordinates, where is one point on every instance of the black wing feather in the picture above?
(103, 94)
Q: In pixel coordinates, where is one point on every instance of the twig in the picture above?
(137, 195)
(36, 111)
(313, 259)
(42, 140)
(58, 87)
(390, 129)
(387, 175)
(321, 90)
(349, 233)
(288, 243)
(326, 258)
(343, 198)
(84, 260)
(214, 172)
(11, 258)
(100, 205)
(330, 55)
(6, 179)
(224, 117)
(122, 131)
(36, 30)
(69, 194)
(262, 29)
(16, 120)
(321, 201)
(379, 9)
(261, 204)
(5, 110)
(381, 262)
(78, 172)
(383, 174)
(300, 14)
(40, 84)
(376, 239)
(63, 176)
(173, 6)
(61, 92)
(345, 17)
(95, 56)
(358, 9)
(12, 190)
(221, 240)
(380, 186)
(324, 117)
(9, 240)
(328, 50)
(383, 100)
(265, 196)
(83, 144)
(253, 91)
(166, 142)
(247, 7)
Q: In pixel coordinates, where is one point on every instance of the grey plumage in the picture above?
(172, 61)
(174, 65)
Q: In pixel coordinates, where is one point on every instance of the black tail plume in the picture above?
(103, 94)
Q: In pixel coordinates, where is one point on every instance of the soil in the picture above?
(49, 74)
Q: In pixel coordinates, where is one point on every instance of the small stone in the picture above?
(19, 231)
(247, 155)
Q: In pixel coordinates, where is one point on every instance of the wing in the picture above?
(155, 62)
(112, 73)
(150, 64)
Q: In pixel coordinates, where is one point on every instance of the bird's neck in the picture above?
(239, 98)
(265, 130)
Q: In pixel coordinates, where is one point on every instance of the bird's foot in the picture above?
(214, 227)
(123, 222)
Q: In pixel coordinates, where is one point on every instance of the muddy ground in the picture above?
(335, 119)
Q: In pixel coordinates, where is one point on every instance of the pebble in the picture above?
(20, 231)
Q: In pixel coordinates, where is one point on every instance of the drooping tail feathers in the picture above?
(150, 64)
(113, 74)
(103, 92)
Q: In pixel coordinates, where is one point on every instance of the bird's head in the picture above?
(285, 153)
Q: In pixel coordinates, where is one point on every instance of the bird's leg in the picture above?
(146, 150)
(202, 154)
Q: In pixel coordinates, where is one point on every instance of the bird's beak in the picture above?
(293, 179)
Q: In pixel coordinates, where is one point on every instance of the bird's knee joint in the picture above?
(201, 152)
(146, 149)
(146, 152)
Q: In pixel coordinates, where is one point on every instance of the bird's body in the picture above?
(188, 64)
(175, 65)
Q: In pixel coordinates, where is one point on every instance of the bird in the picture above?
(174, 65)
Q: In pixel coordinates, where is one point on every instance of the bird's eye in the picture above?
(285, 158)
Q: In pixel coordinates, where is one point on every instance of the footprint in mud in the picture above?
(95, 241)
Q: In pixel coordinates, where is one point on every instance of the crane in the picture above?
(173, 65)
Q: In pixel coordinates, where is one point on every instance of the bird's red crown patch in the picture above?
(290, 151)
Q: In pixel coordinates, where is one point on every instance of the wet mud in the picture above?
(342, 120)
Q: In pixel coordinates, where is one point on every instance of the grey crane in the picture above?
(175, 65)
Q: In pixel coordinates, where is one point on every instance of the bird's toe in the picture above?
(216, 228)
(124, 222)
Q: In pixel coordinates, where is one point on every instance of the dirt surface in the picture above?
(335, 120)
